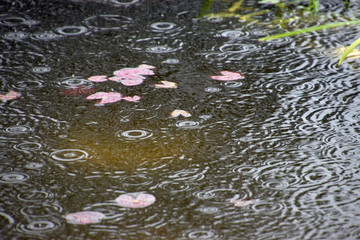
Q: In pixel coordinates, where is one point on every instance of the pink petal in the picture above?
(135, 200)
(132, 99)
(177, 113)
(146, 66)
(127, 72)
(166, 84)
(105, 97)
(132, 82)
(228, 76)
(84, 217)
(242, 202)
(10, 96)
(101, 78)
(115, 78)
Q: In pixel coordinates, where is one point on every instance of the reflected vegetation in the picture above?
(159, 119)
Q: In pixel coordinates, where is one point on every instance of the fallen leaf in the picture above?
(101, 78)
(135, 200)
(242, 202)
(10, 96)
(177, 113)
(106, 97)
(85, 217)
(166, 84)
(228, 76)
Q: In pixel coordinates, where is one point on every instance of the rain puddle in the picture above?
(171, 120)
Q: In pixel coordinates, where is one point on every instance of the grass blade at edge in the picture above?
(348, 50)
(306, 30)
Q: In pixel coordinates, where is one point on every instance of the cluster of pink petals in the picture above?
(9, 96)
(111, 97)
(127, 76)
(228, 76)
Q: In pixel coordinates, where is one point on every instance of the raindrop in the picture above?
(76, 82)
(163, 26)
(135, 134)
(201, 234)
(234, 33)
(13, 177)
(28, 146)
(119, 3)
(187, 124)
(212, 89)
(236, 47)
(17, 36)
(36, 227)
(41, 69)
(34, 165)
(68, 155)
(18, 129)
(215, 19)
(12, 21)
(45, 36)
(71, 30)
(209, 210)
(171, 61)
(233, 84)
(160, 49)
(27, 84)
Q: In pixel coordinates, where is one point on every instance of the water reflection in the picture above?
(285, 137)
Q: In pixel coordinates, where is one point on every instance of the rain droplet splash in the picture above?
(68, 155)
(13, 177)
(133, 135)
(187, 124)
(71, 30)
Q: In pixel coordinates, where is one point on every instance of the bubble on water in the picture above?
(45, 36)
(34, 165)
(13, 177)
(6, 222)
(135, 134)
(233, 84)
(187, 124)
(41, 69)
(212, 89)
(68, 155)
(71, 30)
(19, 129)
(17, 36)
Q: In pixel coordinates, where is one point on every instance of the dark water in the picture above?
(287, 135)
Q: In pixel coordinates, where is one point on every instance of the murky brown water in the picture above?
(286, 136)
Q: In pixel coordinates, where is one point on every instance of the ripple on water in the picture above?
(35, 195)
(107, 22)
(38, 227)
(201, 234)
(71, 30)
(134, 134)
(69, 155)
(13, 177)
(157, 45)
(19, 129)
(188, 124)
(6, 222)
(40, 210)
(45, 36)
(15, 36)
(166, 28)
(221, 194)
(11, 21)
(233, 34)
(34, 165)
(28, 146)
(75, 82)
(41, 69)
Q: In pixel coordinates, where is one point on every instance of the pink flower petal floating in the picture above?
(10, 96)
(177, 113)
(132, 99)
(242, 202)
(166, 84)
(101, 78)
(132, 82)
(116, 78)
(106, 97)
(135, 200)
(228, 76)
(85, 217)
